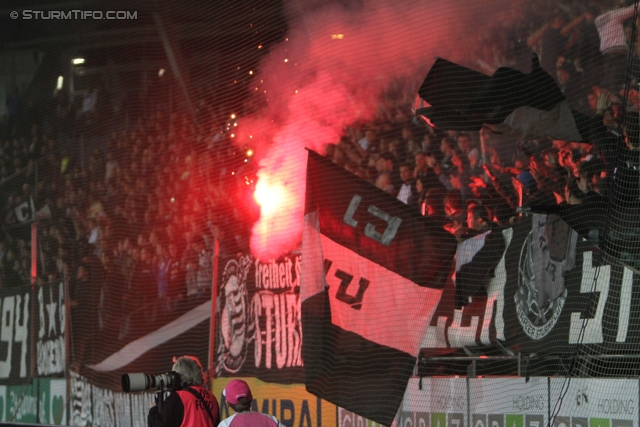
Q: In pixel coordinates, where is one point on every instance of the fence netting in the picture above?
(358, 206)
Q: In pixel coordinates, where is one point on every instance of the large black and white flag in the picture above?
(372, 275)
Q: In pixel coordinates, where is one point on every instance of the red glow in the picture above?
(280, 196)
(336, 84)
(270, 197)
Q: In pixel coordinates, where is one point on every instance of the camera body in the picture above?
(141, 382)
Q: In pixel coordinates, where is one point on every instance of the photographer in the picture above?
(238, 396)
(190, 404)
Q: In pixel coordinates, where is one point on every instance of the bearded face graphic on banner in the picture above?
(233, 316)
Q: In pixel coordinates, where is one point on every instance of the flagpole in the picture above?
(34, 279)
(214, 302)
(483, 151)
(483, 147)
(34, 253)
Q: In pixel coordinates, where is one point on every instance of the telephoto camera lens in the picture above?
(136, 382)
(142, 382)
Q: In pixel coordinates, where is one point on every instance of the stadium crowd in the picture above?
(129, 207)
(443, 173)
(132, 226)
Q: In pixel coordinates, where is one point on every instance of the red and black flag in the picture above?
(373, 271)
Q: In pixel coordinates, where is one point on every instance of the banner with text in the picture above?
(42, 401)
(550, 291)
(512, 402)
(50, 329)
(90, 405)
(594, 402)
(28, 317)
(519, 402)
(258, 319)
(15, 335)
(438, 402)
(290, 403)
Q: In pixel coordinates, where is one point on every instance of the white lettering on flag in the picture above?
(374, 302)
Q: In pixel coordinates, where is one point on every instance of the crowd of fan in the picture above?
(444, 174)
(133, 226)
(133, 230)
(441, 174)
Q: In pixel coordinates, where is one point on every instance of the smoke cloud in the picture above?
(337, 60)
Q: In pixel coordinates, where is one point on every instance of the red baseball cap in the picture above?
(235, 390)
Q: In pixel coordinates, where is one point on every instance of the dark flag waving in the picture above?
(510, 102)
(373, 271)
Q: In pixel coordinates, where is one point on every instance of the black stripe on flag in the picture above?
(476, 259)
(367, 293)
(344, 368)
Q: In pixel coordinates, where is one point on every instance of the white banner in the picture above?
(513, 402)
(594, 402)
(436, 402)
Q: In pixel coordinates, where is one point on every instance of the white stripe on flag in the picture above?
(137, 348)
(467, 249)
(312, 268)
(394, 311)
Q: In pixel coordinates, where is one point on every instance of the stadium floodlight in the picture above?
(59, 83)
(77, 61)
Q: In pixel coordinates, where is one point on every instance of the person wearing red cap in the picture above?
(238, 396)
(190, 404)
